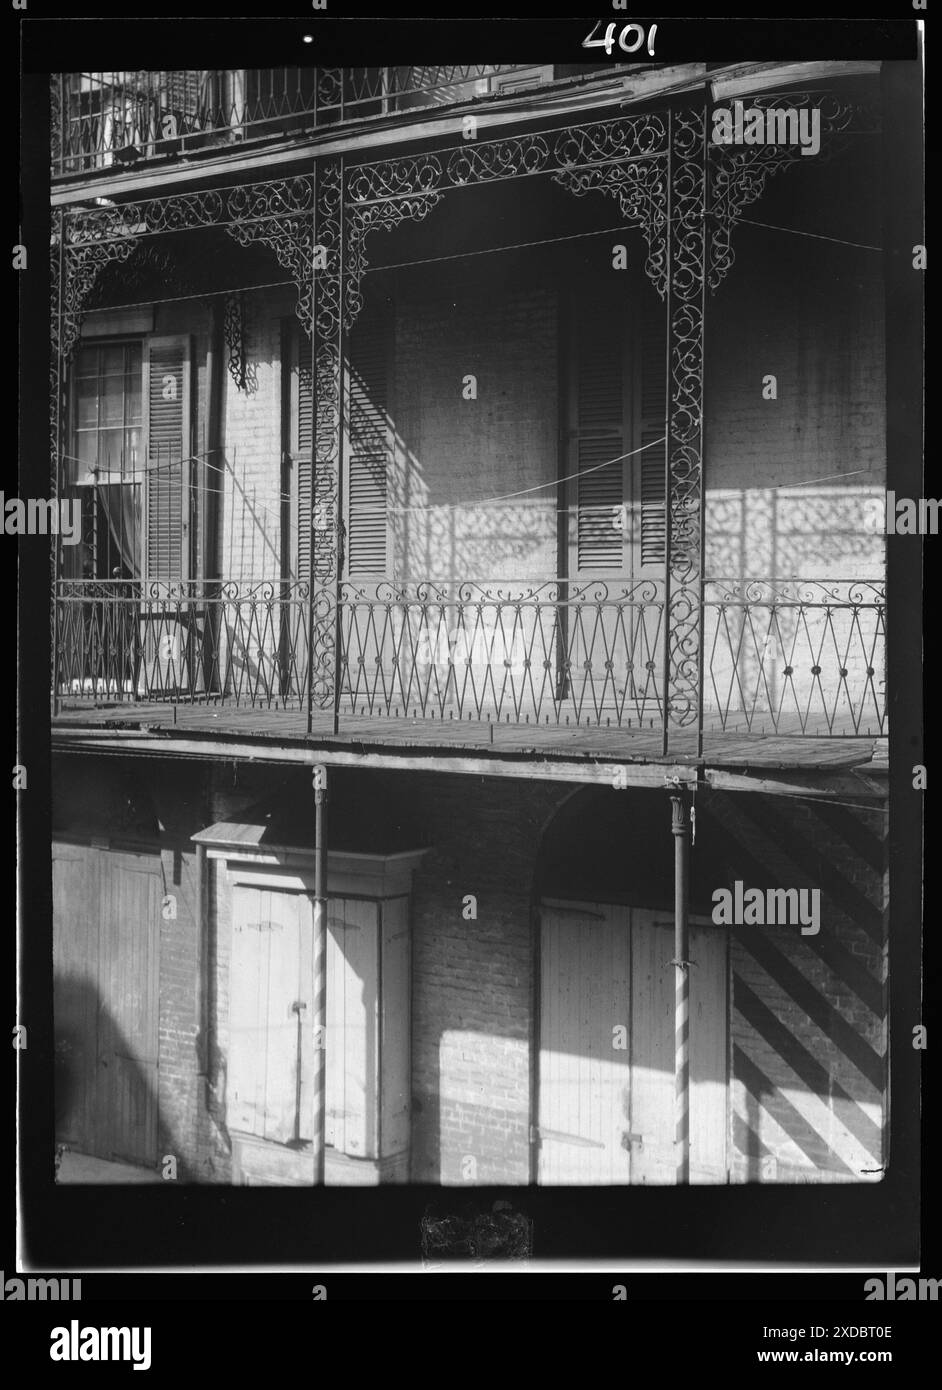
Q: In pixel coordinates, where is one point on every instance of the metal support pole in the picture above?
(312, 551)
(687, 248)
(680, 826)
(56, 477)
(341, 409)
(319, 973)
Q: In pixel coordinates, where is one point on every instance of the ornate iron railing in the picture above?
(799, 655)
(780, 657)
(555, 653)
(105, 119)
(235, 643)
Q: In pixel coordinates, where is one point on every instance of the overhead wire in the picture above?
(464, 255)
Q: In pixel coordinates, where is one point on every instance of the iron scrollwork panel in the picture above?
(82, 265)
(55, 355)
(738, 172)
(363, 220)
(688, 253)
(327, 357)
(280, 215)
(640, 189)
(233, 332)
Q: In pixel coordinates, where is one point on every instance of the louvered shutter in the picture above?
(168, 434)
(650, 425)
(598, 432)
(617, 404)
(367, 447)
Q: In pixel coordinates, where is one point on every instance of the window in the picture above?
(128, 460)
(104, 467)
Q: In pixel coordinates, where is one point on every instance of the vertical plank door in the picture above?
(130, 894)
(106, 939)
(75, 994)
(584, 1079)
(605, 1112)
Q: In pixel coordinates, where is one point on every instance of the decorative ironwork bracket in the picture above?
(361, 221)
(640, 189)
(280, 216)
(625, 157)
(81, 268)
(233, 332)
(738, 173)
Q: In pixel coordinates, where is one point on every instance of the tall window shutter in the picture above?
(617, 402)
(650, 425)
(301, 452)
(368, 446)
(168, 449)
(598, 431)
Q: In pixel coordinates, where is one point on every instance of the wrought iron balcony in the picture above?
(779, 657)
(107, 120)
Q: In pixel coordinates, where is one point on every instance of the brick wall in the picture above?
(178, 1069)
(473, 981)
(800, 317)
(449, 449)
(186, 1128)
(808, 312)
(820, 335)
(251, 540)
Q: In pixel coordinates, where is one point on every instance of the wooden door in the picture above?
(131, 888)
(606, 1068)
(584, 1090)
(270, 1075)
(270, 1020)
(75, 995)
(352, 965)
(106, 935)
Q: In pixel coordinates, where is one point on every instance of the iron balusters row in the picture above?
(782, 657)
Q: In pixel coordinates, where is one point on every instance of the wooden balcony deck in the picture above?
(215, 723)
(793, 678)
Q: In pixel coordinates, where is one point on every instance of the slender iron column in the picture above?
(680, 826)
(319, 973)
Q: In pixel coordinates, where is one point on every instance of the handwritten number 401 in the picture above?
(626, 44)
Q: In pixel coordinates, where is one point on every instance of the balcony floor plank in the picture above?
(841, 749)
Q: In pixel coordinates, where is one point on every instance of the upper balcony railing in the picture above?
(111, 120)
(779, 656)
